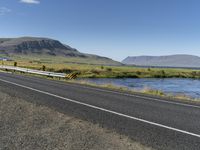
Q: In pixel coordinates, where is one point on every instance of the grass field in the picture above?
(87, 69)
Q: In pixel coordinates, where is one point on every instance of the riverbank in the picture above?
(170, 86)
(121, 88)
(24, 125)
(144, 91)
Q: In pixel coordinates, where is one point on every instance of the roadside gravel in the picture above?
(26, 126)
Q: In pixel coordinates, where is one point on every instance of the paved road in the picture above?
(154, 122)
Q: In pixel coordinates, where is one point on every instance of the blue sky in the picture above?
(113, 28)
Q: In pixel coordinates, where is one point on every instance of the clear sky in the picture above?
(112, 28)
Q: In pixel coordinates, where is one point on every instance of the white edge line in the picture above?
(144, 97)
(132, 95)
(105, 110)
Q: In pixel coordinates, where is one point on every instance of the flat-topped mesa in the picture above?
(180, 60)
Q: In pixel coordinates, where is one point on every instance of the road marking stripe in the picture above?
(132, 95)
(138, 96)
(105, 110)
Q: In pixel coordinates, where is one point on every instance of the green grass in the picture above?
(87, 69)
(64, 60)
(146, 91)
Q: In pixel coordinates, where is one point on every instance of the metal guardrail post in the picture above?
(46, 73)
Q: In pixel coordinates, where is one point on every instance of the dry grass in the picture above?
(66, 65)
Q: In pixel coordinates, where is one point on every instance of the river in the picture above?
(188, 87)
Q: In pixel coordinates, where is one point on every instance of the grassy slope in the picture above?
(63, 60)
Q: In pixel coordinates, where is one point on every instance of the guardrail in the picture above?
(39, 72)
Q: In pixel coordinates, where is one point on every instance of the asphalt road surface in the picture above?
(152, 121)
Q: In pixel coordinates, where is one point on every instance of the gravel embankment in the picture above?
(26, 126)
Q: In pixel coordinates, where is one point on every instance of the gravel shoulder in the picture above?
(27, 126)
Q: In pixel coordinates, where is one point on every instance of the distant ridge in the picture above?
(45, 47)
(179, 60)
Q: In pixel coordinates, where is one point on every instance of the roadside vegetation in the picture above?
(146, 90)
(59, 64)
(89, 70)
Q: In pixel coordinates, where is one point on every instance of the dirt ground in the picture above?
(26, 126)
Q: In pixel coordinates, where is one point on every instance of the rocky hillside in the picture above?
(43, 46)
(164, 61)
(29, 45)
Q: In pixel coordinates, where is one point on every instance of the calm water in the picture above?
(187, 87)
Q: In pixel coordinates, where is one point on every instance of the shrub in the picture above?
(51, 69)
(65, 70)
(43, 67)
(95, 71)
(15, 64)
(138, 73)
(109, 69)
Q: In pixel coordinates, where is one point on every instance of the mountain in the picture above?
(164, 61)
(29, 46)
